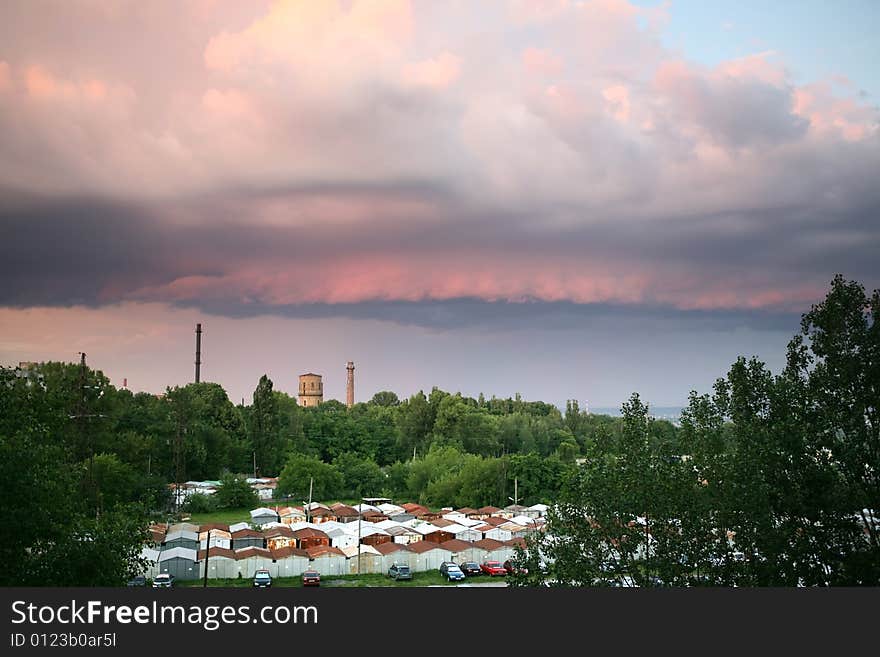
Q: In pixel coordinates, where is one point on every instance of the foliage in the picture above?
(200, 503)
(300, 470)
(770, 482)
(235, 493)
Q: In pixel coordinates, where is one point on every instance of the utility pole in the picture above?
(198, 352)
(360, 514)
(207, 554)
(309, 505)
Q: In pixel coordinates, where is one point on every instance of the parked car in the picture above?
(262, 579)
(511, 566)
(163, 581)
(451, 571)
(470, 568)
(493, 568)
(137, 580)
(311, 578)
(399, 571)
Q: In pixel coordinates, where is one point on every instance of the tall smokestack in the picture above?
(349, 385)
(198, 352)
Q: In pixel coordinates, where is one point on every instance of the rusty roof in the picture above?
(246, 533)
(283, 553)
(344, 510)
(321, 550)
(388, 548)
(247, 552)
(422, 546)
(308, 532)
(488, 544)
(276, 532)
(217, 552)
(456, 545)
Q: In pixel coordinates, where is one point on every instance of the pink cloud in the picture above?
(595, 124)
(476, 274)
(438, 72)
(5, 78)
(831, 116)
(617, 97)
(542, 62)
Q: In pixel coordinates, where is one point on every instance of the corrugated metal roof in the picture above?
(421, 547)
(246, 533)
(248, 552)
(178, 553)
(388, 548)
(308, 532)
(217, 552)
(322, 550)
(456, 545)
(286, 552)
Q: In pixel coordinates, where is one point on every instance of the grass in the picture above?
(431, 578)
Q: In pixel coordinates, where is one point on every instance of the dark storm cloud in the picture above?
(523, 316)
(93, 252)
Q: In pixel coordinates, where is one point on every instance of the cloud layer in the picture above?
(318, 157)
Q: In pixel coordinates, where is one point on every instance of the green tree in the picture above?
(57, 539)
(300, 469)
(415, 421)
(235, 493)
(265, 425)
(385, 398)
(200, 503)
(360, 477)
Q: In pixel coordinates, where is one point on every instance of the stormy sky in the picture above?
(562, 199)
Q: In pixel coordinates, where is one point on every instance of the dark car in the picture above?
(512, 567)
(493, 568)
(470, 568)
(138, 580)
(399, 571)
(163, 581)
(262, 579)
(451, 571)
(311, 578)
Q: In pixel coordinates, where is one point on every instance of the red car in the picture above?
(512, 567)
(493, 568)
(311, 578)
